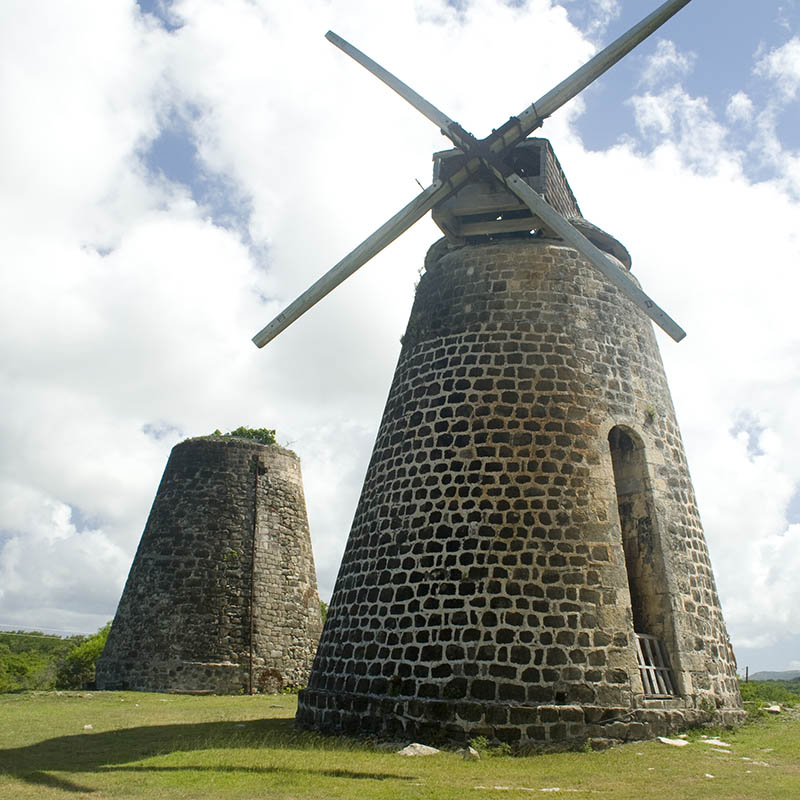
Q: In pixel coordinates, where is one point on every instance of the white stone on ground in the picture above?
(673, 742)
(417, 749)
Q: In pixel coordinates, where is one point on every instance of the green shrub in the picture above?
(262, 435)
(29, 659)
(487, 748)
(785, 693)
(77, 669)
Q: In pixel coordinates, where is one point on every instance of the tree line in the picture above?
(34, 660)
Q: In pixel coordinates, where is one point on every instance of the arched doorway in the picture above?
(644, 562)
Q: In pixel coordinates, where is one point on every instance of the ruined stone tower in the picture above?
(526, 560)
(222, 594)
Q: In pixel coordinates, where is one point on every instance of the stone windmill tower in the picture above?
(526, 560)
(222, 594)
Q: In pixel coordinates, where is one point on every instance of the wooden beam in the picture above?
(612, 271)
(533, 116)
(372, 245)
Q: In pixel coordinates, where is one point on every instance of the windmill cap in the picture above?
(602, 240)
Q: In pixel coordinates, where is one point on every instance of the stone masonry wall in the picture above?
(222, 593)
(557, 191)
(483, 589)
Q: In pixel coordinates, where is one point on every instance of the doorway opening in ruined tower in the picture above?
(644, 563)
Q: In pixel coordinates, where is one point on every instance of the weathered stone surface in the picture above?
(417, 749)
(528, 471)
(222, 594)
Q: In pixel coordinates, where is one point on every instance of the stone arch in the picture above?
(644, 560)
(646, 579)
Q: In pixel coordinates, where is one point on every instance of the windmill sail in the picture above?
(516, 129)
(537, 205)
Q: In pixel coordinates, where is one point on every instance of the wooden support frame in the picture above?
(654, 667)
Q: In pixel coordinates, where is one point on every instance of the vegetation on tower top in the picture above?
(262, 435)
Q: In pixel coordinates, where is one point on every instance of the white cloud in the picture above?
(676, 116)
(46, 555)
(740, 108)
(782, 65)
(666, 64)
(595, 16)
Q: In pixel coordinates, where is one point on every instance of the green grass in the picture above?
(172, 746)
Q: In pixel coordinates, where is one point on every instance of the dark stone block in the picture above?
(483, 690)
(470, 712)
(502, 671)
(597, 658)
(512, 691)
(520, 655)
(486, 653)
(556, 656)
(432, 652)
(496, 715)
(455, 689)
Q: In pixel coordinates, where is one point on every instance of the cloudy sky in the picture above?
(173, 173)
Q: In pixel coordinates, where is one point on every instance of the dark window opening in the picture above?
(526, 162)
(650, 605)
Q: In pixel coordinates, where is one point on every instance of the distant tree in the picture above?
(30, 659)
(263, 435)
(787, 693)
(77, 669)
(323, 608)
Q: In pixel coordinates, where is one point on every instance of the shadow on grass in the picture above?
(110, 751)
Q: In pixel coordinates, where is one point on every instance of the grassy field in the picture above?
(172, 746)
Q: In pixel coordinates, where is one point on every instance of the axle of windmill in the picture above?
(497, 157)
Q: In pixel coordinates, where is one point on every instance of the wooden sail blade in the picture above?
(532, 117)
(372, 245)
(614, 273)
(530, 197)
(507, 136)
(406, 92)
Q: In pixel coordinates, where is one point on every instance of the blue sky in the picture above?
(731, 35)
(174, 173)
(734, 40)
